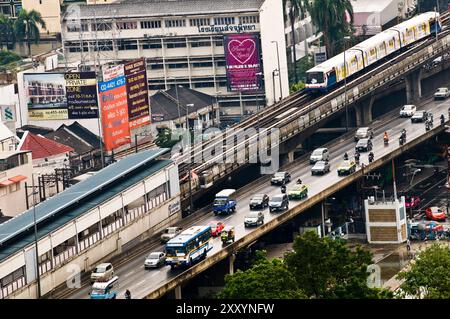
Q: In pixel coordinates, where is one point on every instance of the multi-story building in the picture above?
(15, 169)
(10, 8)
(182, 41)
(50, 11)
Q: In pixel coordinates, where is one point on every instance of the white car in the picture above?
(319, 154)
(442, 93)
(155, 260)
(408, 110)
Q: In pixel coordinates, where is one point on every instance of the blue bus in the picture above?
(189, 246)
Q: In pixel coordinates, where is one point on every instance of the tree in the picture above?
(329, 16)
(7, 57)
(7, 32)
(427, 5)
(165, 139)
(265, 280)
(296, 87)
(429, 274)
(27, 27)
(326, 268)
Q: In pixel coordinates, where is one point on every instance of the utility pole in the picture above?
(191, 204)
(36, 241)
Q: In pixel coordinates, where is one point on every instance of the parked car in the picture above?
(408, 110)
(279, 202)
(298, 192)
(419, 116)
(435, 213)
(412, 201)
(346, 168)
(321, 167)
(259, 201)
(169, 233)
(216, 228)
(319, 154)
(155, 260)
(364, 145)
(441, 93)
(363, 132)
(102, 272)
(280, 178)
(254, 219)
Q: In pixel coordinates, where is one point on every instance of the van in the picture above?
(319, 154)
(105, 290)
(225, 202)
(102, 272)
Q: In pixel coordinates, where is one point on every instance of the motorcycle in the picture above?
(427, 126)
(345, 157)
(371, 157)
(386, 141)
(442, 119)
(357, 159)
(401, 140)
(283, 189)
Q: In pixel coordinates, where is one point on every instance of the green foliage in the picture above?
(427, 5)
(7, 32)
(303, 65)
(165, 139)
(265, 280)
(429, 275)
(26, 27)
(296, 87)
(7, 57)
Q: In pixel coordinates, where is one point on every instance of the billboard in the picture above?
(112, 72)
(114, 111)
(137, 91)
(46, 96)
(320, 55)
(243, 62)
(81, 94)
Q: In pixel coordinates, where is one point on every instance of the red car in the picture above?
(435, 213)
(216, 228)
(412, 201)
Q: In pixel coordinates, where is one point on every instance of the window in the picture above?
(204, 85)
(101, 26)
(151, 44)
(77, 27)
(178, 65)
(102, 45)
(218, 43)
(15, 275)
(201, 42)
(157, 87)
(131, 25)
(127, 45)
(175, 43)
(224, 20)
(150, 24)
(3, 191)
(199, 22)
(175, 23)
(14, 187)
(202, 64)
(156, 66)
(249, 19)
(220, 63)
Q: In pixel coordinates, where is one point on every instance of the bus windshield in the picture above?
(175, 251)
(314, 77)
(98, 291)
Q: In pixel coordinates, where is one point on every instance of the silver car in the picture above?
(442, 93)
(254, 219)
(169, 233)
(155, 260)
(321, 167)
(363, 132)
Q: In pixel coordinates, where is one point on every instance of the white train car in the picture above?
(325, 75)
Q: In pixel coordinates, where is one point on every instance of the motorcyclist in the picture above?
(386, 138)
(345, 156)
(283, 188)
(403, 134)
(427, 125)
(127, 294)
(357, 157)
(442, 119)
(299, 181)
(371, 156)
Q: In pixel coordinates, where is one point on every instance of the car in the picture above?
(363, 132)
(169, 233)
(280, 178)
(319, 154)
(254, 219)
(346, 168)
(419, 116)
(279, 202)
(321, 167)
(408, 110)
(102, 272)
(364, 145)
(155, 260)
(298, 192)
(259, 201)
(435, 213)
(412, 201)
(441, 93)
(216, 228)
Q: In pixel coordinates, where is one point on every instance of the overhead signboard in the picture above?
(137, 92)
(81, 93)
(320, 55)
(111, 72)
(243, 62)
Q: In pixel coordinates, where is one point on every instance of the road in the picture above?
(140, 282)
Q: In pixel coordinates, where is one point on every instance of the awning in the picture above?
(6, 183)
(17, 178)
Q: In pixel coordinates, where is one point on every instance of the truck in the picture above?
(225, 202)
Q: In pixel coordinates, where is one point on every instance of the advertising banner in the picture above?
(81, 93)
(242, 56)
(113, 103)
(137, 90)
(112, 72)
(46, 96)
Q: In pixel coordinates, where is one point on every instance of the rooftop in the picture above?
(42, 147)
(370, 5)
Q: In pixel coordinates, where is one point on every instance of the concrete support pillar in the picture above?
(413, 86)
(231, 263)
(363, 112)
(178, 292)
(290, 157)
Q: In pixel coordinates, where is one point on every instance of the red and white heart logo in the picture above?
(242, 51)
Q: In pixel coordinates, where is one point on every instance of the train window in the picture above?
(373, 51)
(314, 77)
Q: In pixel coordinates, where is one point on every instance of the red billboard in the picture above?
(243, 63)
(114, 111)
(137, 89)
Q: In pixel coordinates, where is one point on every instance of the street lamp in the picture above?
(345, 83)
(294, 54)
(178, 100)
(279, 70)
(218, 107)
(191, 205)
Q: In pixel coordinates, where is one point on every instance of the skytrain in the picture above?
(324, 76)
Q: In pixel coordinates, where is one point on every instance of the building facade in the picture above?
(10, 8)
(182, 42)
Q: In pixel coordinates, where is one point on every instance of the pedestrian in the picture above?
(127, 294)
(408, 245)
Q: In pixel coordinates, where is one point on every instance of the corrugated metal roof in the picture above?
(77, 193)
(80, 209)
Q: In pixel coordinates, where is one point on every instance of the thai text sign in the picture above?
(81, 93)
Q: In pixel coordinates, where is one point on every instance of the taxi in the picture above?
(346, 168)
(298, 192)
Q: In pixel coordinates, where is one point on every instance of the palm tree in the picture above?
(296, 9)
(27, 27)
(329, 16)
(7, 32)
